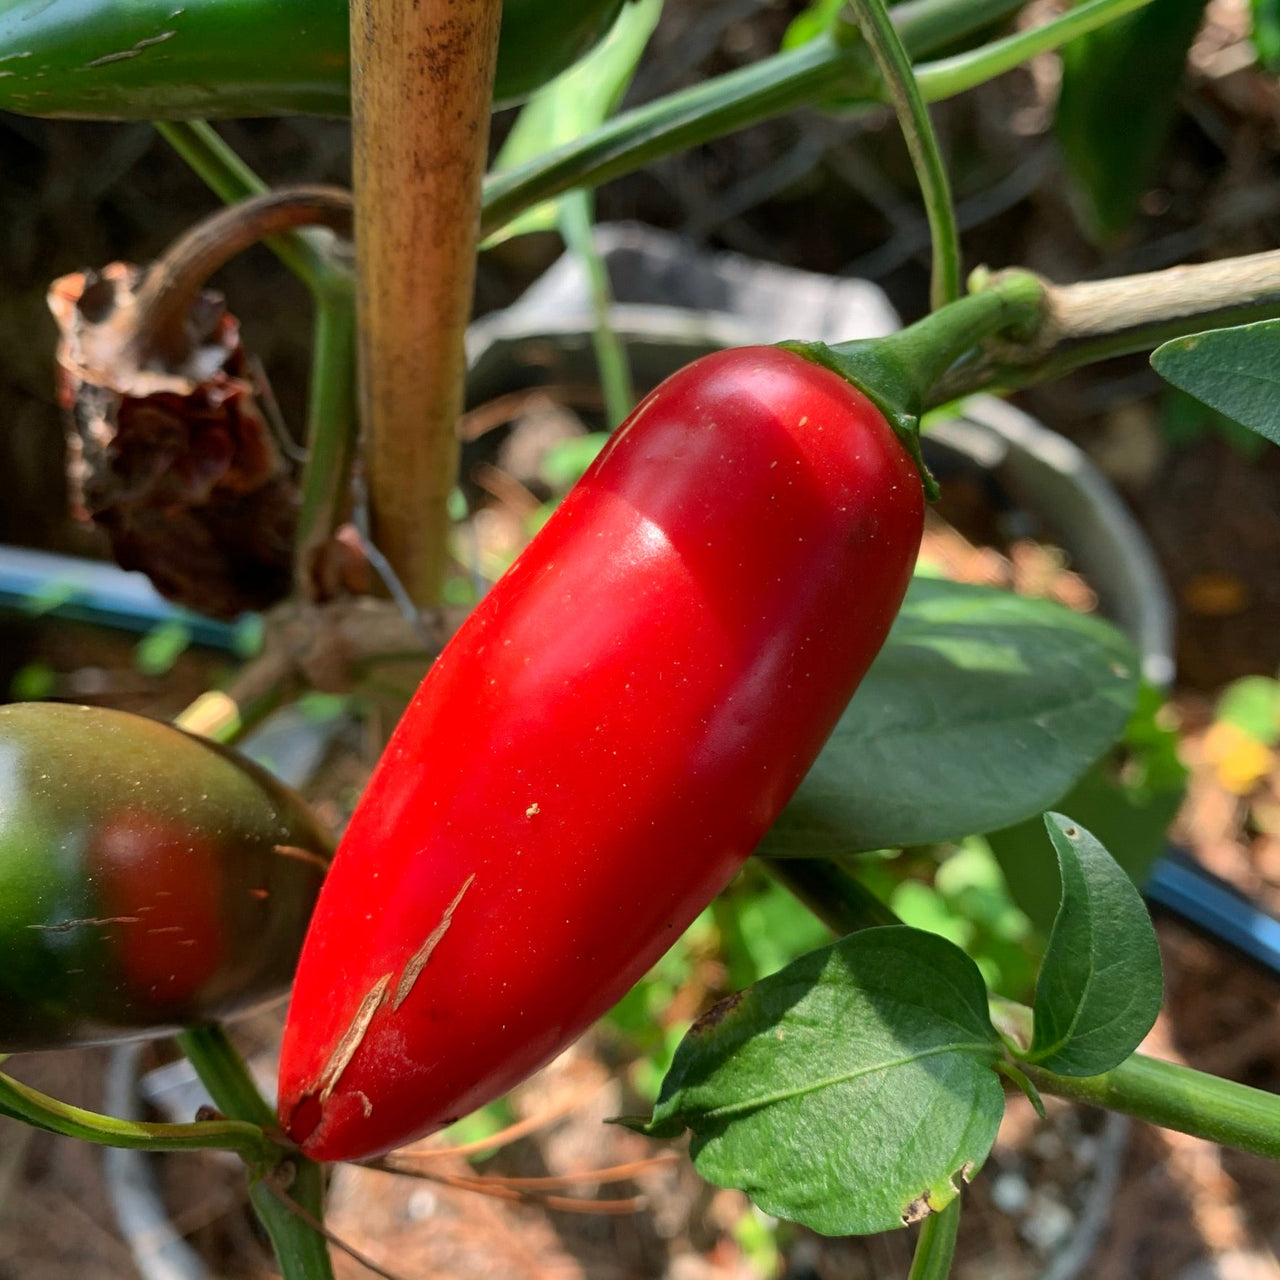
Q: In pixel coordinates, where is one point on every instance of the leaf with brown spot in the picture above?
(882, 1085)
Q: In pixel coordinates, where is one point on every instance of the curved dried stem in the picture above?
(172, 284)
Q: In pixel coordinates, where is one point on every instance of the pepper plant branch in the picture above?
(794, 78)
(1177, 1097)
(807, 76)
(421, 84)
(922, 144)
(837, 898)
(246, 1140)
(1094, 320)
(947, 77)
(936, 1244)
(299, 1246)
(575, 217)
(677, 122)
(332, 426)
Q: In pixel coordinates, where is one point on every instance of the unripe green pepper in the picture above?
(148, 879)
(158, 60)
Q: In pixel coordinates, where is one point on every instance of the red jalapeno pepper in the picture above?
(601, 745)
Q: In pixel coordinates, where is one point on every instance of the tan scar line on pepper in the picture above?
(354, 1035)
(346, 1048)
(418, 961)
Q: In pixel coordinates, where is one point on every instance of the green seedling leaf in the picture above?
(573, 104)
(982, 709)
(851, 1092)
(1119, 97)
(1100, 986)
(1235, 371)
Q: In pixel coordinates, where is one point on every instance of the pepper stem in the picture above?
(898, 372)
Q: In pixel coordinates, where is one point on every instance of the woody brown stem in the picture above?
(1095, 320)
(421, 86)
(172, 283)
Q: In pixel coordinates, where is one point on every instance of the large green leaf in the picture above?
(1235, 371)
(1117, 105)
(983, 708)
(1100, 986)
(850, 1092)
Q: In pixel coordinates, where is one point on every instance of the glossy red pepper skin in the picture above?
(600, 746)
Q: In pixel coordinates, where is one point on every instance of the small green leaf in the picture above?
(1235, 371)
(1116, 108)
(1100, 987)
(850, 1092)
(982, 709)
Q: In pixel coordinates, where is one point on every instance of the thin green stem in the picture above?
(332, 415)
(1177, 1097)
(929, 25)
(677, 122)
(915, 359)
(332, 421)
(302, 1252)
(948, 77)
(922, 144)
(611, 356)
(225, 1075)
(821, 70)
(246, 1140)
(231, 180)
(836, 897)
(936, 1244)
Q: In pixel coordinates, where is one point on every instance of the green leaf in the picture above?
(1117, 106)
(1127, 799)
(1235, 371)
(1184, 421)
(573, 104)
(1100, 987)
(983, 708)
(850, 1092)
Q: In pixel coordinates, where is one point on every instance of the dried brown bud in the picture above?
(174, 457)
